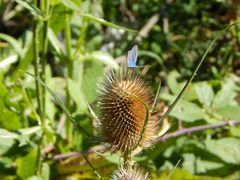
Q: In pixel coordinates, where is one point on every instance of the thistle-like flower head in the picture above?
(126, 122)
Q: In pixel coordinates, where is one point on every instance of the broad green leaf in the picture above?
(77, 95)
(4, 134)
(185, 110)
(31, 7)
(172, 82)
(176, 87)
(203, 166)
(8, 119)
(22, 135)
(93, 70)
(13, 42)
(26, 165)
(226, 149)
(6, 141)
(225, 96)
(229, 112)
(45, 171)
(204, 93)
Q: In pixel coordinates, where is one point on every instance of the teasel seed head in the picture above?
(128, 172)
(124, 103)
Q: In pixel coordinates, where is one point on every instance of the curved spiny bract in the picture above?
(121, 102)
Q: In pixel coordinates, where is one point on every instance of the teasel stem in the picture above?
(44, 6)
(36, 73)
(45, 9)
(69, 61)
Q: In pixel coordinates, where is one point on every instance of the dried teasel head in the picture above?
(126, 122)
(130, 173)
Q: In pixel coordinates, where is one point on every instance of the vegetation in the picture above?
(53, 53)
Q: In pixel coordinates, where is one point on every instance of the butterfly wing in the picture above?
(132, 56)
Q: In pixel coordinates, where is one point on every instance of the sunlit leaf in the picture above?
(77, 95)
(13, 42)
(204, 93)
(226, 149)
(26, 164)
(185, 110)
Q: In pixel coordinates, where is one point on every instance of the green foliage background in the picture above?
(85, 39)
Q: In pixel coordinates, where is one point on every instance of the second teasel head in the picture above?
(125, 99)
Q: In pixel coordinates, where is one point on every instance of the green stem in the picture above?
(36, 73)
(67, 33)
(45, 9)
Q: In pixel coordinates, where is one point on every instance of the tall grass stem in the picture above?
(67, 33)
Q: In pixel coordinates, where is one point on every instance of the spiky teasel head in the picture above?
(130, 173)
(126, 122)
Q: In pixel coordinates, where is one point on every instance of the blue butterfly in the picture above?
(132, 57)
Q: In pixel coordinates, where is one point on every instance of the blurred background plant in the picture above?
(70, 44)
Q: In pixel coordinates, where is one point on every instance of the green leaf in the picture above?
(185, 110)
(226, 149)
(45, 171)
(6, 141)
(229, 112)
(77, 95)
(8, 119)
(14, 43)
(26, 165)
(176, 87)
(204, 93)
(4, 134)
(225, 96)
(54, 42)
(93, 70)
(22, 135)
(172, 82)
(31, 7)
